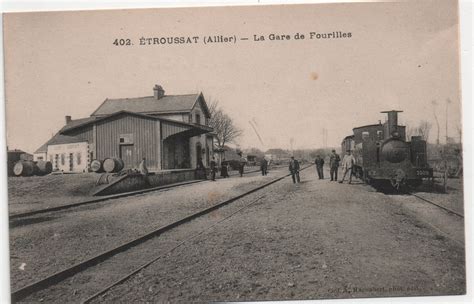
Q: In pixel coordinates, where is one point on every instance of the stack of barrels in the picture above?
(30, 168)
(109, 165)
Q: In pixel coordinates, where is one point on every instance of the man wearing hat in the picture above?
(319, 162)
(294, 168)
(347, 163)
(334, 160)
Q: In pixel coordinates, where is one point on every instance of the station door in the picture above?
(126, 154)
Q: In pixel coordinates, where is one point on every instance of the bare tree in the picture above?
(409, 131)
(423, 130)
(223, 125)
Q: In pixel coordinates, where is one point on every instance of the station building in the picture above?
(170, 131)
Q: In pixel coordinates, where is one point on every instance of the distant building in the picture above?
(171, 131)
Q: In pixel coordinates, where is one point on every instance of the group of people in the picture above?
(348, 163)
(225, 168)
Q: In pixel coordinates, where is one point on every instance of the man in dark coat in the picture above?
(242, 163)
(224, 168)
(334, 160)
(294, 168)
(319, 162)
(264, 166)
(213, 166)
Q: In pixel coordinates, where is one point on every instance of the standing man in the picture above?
(213, 166)
(319, 162)
(334, 160)
(242, 162)
(347, 163)
(224, 169)
(264, 166)
(144, 171)
(294, 168)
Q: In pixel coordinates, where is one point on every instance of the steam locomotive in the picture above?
(383, 155)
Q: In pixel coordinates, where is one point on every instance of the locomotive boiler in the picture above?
(384, 155)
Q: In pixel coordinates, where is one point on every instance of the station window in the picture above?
(190, 118)
(126, 139)
(365, 135)
(63, 159)
(198, 119)
(78, 158)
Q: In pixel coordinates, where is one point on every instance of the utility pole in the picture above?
(437, 121)
(448, 101)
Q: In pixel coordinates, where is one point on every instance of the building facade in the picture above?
(170, 131)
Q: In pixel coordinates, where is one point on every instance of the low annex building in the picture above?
(171, 131)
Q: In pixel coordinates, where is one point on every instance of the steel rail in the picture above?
(437, 205)
(27, 214)
(61, 275)
(97, 200)
(143, 266)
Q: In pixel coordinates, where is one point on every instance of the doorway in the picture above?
(126, 154)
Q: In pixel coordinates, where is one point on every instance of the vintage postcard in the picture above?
(235, 153)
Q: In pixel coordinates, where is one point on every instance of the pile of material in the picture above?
(30, 168)
(109, 165)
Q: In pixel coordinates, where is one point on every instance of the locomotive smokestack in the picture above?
(392, 122)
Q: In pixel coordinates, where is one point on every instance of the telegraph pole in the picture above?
(448, 101)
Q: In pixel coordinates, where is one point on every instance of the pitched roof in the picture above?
(42, 149)
(148, 104)
(58, 139)
(64, 139)
(76, 122)
(99, 119)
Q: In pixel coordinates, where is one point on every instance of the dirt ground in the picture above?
(47, 243)
(314, 240)
(35, 192)
(38, 192)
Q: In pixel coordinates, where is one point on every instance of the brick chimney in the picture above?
(158, 91)
(68, 119)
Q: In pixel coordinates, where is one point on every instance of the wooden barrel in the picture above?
(25, 168)
(113, 165)
(44, 167)
(96, 166)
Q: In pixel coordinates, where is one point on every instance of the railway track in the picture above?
(421, 198)
(69, 272)
(437, 205)
(25, 215)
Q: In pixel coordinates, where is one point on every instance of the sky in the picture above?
(401, 55)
